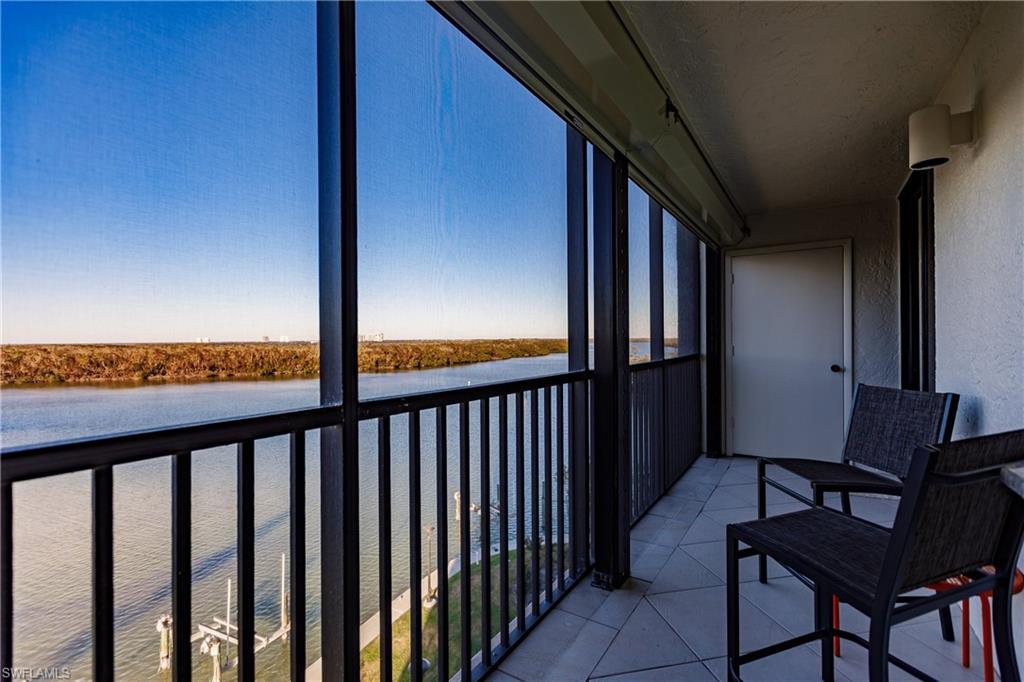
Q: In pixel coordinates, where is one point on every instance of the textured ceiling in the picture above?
(803, 104)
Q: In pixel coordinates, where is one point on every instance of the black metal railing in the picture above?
(519, 471)
(542, 416)
(523, 465)
(101, 456)
(665, 423)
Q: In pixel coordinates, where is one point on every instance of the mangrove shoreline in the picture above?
(142, 363)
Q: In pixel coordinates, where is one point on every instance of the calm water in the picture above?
(52, 522)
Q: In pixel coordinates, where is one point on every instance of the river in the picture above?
(52, 528)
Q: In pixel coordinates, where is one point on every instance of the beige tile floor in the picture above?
(668, 622)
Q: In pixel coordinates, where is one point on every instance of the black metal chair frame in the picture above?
(883, 610)
(894, 487)
(883, 487)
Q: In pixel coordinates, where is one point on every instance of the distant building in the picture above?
(365, 338)
(283, 339)
(202, 339)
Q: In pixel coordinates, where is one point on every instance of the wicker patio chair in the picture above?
(886, 424)
(955, 517)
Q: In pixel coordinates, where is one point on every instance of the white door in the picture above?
(789, 382)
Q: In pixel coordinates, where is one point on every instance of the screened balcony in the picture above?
(354, 503)
(494, 307)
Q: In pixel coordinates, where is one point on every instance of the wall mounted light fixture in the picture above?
(933, 131)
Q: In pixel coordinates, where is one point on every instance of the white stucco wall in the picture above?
(979, 240)
(873, 230)
(979, 231)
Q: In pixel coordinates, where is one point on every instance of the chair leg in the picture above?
(835, 624)
(946, 621)
(732, 605)
(965, 633)
(845, 498)
(986, 636)
(1002, 625)
(823, 615)
(819, 501)
(762, 511)
(878, 649)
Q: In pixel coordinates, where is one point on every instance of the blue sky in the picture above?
(159, 177)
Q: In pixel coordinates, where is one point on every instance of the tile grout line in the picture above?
(618, 631)
(647, 670)
(672, 629)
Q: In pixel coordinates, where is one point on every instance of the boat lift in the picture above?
(217, 638)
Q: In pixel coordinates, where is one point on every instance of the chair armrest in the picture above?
(838, 487)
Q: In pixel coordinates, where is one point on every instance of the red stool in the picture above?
(986, 618)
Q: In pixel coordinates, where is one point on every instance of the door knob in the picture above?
(836, 368)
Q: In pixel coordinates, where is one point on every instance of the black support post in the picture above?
(713, 339)
(181, 564)
(246, 538)
(611, 372)
(579, 348)
(657, 270)
(6, 576)
(102, 574)
(339, 446)
(297, 548)
(688, 292)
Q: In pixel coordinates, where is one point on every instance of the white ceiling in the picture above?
(803, 104)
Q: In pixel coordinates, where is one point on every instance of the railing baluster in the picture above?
(548, 557)
(667, 453)
(442, 543)
(560, 503)
(575, 471)
(659, 425)
(638, 459)
(535, 498)
(520, 513)
(503, 607)
(6, 576)
(638, 477)
(660, 434)
(384, 541)
(103, 573)
(635, 438)
(670, 454)
(656, 453)
(648, 440)
(415, 551)
(634, 433)
(679, 459)
(465, 548)
(587, 506)
(672, 418)
(246, 561)
(646, 436)
(297, 546)
(485, 531)
(645, 426)
(181, 565)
